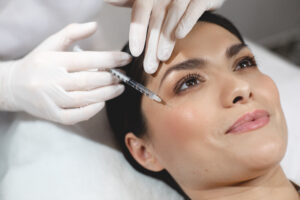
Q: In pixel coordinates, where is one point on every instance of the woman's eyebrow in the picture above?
(199, 62)
(234, 49)
(185, 65)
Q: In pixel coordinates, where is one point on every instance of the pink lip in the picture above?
(250, 121)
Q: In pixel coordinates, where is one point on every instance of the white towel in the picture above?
(43, 160)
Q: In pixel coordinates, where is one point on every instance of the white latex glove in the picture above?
(168, 20)
(57, 85)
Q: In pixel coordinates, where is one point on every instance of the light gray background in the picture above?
(264, 21)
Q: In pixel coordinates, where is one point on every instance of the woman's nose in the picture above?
(235, 91)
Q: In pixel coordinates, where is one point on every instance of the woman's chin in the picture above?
(266, 155)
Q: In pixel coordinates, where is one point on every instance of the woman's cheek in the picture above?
(269, 96)
(267, 89)
(184, 123)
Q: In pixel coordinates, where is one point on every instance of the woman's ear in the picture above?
(142, 152)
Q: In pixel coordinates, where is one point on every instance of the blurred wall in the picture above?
(264, 21)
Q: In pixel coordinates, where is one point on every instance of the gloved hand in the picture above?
(57, 85)
(168, 20)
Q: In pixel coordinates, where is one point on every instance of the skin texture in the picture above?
(187, 135)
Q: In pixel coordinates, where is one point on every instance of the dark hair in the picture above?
(124, 112)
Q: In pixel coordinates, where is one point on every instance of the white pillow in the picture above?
(43, 160)
(46, 161)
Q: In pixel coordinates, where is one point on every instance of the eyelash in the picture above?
(251, 61)
(195, 76)
(186, 79)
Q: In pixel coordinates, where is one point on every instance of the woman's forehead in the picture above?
(206, 40)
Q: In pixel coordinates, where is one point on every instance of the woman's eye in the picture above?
(187, 82)
(245, 63)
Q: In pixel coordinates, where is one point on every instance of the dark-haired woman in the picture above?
(221, 132)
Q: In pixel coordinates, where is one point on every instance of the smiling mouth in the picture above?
(249, 122)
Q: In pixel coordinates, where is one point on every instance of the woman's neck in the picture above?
(272, 186)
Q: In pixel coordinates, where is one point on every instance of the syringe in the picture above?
(139, 87)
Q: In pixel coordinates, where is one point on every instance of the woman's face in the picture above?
(210, 82)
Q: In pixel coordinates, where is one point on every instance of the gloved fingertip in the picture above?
(91, 24)
(182, 30)
(135, 48)
(164, 53)
(165, 48)
(137, 36)
(113, 91)
(74, 32)
(125, 58)
(119, 89)
(180, 33)
(90, 110)
(150, 67)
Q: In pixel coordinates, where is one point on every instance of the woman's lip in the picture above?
(250, 121)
